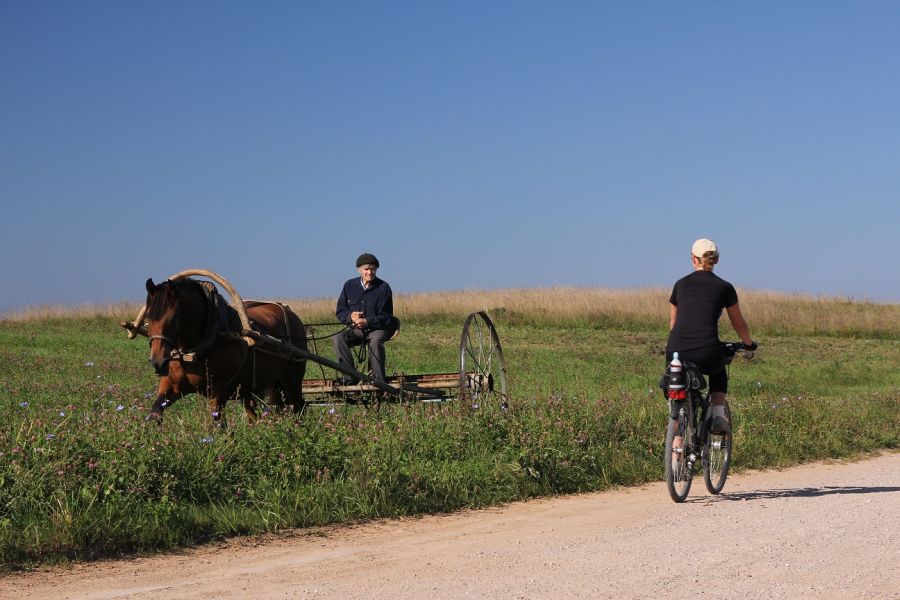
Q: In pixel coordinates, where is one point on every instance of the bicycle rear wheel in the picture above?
(717, 458)
(678, 471)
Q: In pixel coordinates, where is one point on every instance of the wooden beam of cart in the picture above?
(429, 382)
(266, 343)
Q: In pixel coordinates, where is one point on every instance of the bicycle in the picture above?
(689, 420)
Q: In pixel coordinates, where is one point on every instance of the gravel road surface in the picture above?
(824, 530)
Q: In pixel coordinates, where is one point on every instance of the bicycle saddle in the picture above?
(695, 378)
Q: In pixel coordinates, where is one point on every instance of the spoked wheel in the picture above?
(482, 371)
(717, 458)
(679, 473)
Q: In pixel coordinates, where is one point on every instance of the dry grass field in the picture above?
(767, 312)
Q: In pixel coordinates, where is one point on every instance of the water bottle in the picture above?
(676, 388)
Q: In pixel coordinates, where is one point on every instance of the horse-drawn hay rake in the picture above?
(481, 378)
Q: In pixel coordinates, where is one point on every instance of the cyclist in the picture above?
(696, 304)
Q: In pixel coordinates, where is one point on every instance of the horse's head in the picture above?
(162, 323)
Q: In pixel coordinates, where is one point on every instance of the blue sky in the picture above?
(468, 145)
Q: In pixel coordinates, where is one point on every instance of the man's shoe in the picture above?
(347, 380)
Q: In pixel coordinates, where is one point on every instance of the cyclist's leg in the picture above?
(718, 393)
(711, 360)
(677, 443)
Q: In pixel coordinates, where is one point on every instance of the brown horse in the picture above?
(195, 346)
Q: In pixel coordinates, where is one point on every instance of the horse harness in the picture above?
(217, 326)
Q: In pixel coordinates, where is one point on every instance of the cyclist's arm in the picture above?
(673, 313)
(739, 324)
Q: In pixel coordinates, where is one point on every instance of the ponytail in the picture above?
(708, 261)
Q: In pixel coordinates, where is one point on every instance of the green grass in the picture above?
(84, 475)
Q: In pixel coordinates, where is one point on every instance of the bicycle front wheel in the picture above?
(718, 458)
(678, 470)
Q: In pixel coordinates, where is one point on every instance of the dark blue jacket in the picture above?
(376, 303)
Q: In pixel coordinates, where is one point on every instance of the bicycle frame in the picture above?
(697, 404)
(689, 421)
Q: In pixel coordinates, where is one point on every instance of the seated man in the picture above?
(365, 303)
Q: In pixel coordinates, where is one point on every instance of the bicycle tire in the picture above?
(717, 458)
(678, 473)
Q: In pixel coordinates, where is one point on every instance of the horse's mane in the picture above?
(158, 305)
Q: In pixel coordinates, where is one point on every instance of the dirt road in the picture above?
(817, 531)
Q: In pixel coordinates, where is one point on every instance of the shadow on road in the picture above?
(807, 492)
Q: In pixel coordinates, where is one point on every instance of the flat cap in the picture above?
(367, 259)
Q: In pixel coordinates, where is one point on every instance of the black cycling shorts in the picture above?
(711, 361)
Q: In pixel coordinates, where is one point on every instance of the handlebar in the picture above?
(732, 348)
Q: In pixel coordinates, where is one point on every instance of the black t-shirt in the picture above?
(700, 298)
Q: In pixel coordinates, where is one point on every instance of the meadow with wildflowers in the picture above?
(83, 474)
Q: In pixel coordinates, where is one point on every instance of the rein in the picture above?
(311, 326)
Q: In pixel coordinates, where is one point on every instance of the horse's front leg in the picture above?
(217, 411)
(165, 397)
(250, 403)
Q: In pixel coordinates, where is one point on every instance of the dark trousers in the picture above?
(355, 337)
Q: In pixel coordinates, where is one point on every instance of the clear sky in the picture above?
(466, 144)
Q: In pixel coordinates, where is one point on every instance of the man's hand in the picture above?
(358, 320)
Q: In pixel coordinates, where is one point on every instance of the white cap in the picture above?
(702, 246)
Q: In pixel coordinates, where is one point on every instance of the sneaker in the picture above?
(720, 425)
(719, 421)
